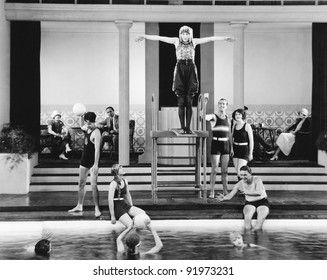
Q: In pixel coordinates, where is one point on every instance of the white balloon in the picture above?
(79, 109)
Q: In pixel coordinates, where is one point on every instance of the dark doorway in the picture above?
(25, 42)
(167, 61)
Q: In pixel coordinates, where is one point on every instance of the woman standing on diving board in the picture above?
(185, 83)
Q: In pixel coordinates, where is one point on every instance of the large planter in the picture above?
(322, 159)
(16, 179)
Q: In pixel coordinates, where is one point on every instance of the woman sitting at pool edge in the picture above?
(120, 201)
(255, 198)
(133, 243)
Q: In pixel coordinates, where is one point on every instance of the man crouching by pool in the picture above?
(255, 198)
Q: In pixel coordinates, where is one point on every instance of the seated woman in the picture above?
(133, 243)
(286, 140)
(120, 201)
(61, 136)
(255, 198)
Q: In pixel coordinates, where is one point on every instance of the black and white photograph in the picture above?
(189, 136)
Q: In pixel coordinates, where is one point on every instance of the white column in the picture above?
(151, 86)
(4, 67)
(238, 69)
(123, 27)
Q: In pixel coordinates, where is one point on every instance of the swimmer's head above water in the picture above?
(43, 248)
(133, 242)
(236, 239)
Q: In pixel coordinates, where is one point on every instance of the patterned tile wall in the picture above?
(278, 119)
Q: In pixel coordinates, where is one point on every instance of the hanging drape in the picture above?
(25, 41)
(319, 83)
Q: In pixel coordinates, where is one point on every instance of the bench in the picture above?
(46, 139)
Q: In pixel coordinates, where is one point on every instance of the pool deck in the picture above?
(45, 206)
(53, 205)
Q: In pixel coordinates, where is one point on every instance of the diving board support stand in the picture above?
(200, 135)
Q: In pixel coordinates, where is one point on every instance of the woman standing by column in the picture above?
(242, 140)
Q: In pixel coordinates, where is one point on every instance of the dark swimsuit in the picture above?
(257, 203)
(241, 143)
(120, 206)
(88, 152)
(220, 144)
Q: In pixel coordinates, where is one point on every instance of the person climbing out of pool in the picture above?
(185, 81)
(255, 198)
(133, 242)
(119, 198)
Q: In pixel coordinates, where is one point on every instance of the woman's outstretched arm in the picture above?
(198, 41)
(169, 40)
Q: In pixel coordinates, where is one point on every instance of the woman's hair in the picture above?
(132, 241)
(90, 116)
(186, 29)
(240, 111)
(246, 168)
(115, 169)
(42, 248)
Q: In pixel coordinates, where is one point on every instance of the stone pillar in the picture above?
(4, 67)
(123, 27)
(151, 86)
(238, 69)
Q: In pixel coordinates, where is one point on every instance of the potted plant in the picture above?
(321, 145)
(17, 159)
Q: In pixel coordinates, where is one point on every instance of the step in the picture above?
(304, 178)
(256, 170)
(276, 186)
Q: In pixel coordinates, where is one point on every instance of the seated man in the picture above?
(61, 136)
(109, 129)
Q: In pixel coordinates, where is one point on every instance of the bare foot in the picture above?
(212, 195)
(97, 213)
(78, 208)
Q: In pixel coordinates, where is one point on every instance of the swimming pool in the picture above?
(182, 239)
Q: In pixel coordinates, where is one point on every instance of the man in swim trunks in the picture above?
(89, 163)
(221, 145)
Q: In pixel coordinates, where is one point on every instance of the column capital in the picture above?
(239, 24)
(121, 24)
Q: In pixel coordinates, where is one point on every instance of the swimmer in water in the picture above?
(237, 240)
(133, 242)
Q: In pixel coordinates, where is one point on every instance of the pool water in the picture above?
(180, 243)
